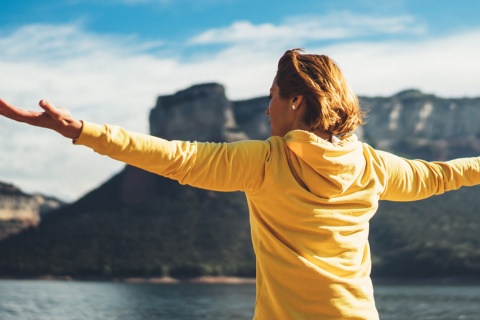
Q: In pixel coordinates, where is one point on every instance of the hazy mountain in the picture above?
(19, 210)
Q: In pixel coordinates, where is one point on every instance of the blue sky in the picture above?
(107, 61)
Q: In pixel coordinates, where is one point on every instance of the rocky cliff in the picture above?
(201, 112)
(411, 123)
(140, 224)
(423, 125)
(19, 210)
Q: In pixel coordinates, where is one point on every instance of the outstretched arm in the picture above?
(213, 166)
(410, 180)
(53, 118)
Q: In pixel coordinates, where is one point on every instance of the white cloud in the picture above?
(115, 80)
(341, 25)
(447, 67)
(57, 43)
(98, 78)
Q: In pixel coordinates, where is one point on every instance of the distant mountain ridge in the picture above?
(423, 125)
(410, 122)
(19, 210)
(139, 224)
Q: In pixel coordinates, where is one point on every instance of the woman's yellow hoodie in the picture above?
(310, 204)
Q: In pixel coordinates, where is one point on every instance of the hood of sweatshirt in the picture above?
(326, 169)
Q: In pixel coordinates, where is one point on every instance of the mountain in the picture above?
(19, 210)
(139, 224)
(424, 126)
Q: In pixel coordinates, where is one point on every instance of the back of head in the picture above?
(330, 104)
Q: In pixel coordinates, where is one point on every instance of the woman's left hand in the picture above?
(57, 119)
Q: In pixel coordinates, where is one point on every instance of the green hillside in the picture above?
(181, 232)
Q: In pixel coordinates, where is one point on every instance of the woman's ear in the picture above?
(297, 100)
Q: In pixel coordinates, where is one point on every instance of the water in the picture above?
(57, 300)
(428, 302)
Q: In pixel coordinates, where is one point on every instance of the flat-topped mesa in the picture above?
(410, 122)
(423, 125)
(201, 112)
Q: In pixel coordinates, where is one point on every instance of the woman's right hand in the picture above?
(57, 119)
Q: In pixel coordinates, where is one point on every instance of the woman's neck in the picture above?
(318, 132)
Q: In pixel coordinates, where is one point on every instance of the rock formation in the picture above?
(201, 112)
(19, 210)
(410, 123)
(423, 125)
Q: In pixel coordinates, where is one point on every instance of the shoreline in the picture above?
(393, 281)
(140, 280)
(199, 280)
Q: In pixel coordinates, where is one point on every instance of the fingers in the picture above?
(53, 118)
(47, 106)
(35, 118)
(10, 111)
(3, 104)
(54, 112)
(43, 103)
(60, 120)
(4, 107)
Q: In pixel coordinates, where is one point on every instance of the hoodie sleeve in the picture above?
(410, 180)
(236, 166)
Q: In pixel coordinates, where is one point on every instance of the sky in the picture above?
(107, 62)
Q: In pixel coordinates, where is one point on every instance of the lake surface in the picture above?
(63, 300)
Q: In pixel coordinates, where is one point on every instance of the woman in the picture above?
(312, 187)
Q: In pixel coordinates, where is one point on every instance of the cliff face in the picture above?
(15, 204)
(141, 224)
(410, 123)
(19, 210)
(201, 112)
(422, 125)
(251, 118)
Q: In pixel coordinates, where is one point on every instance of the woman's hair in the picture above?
(330, 104)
